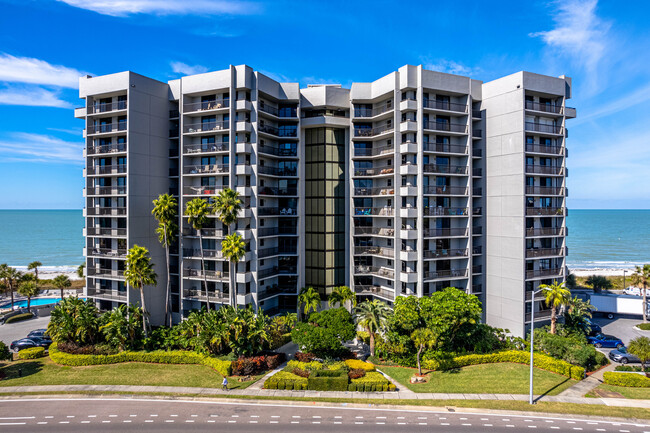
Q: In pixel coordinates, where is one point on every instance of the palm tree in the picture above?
(372, 316)
(197, 211)
(164, 210)
(641, 276)
(80, 270)
(61, 282)
(29, 288)
(640, 347)
(341, 295)
(310, 298)
(227, 206)
(233, 248)
(599, 282)
(34, 265)
(139, 273)
(556, 296)
(423, 338)
(11, 278)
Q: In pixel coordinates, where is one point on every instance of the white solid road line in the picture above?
(19, 417)
(13, 423)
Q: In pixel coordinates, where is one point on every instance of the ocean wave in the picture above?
(50, 269)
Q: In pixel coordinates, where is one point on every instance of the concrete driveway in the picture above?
(15, 331)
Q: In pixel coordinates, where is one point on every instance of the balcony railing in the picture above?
(477, 211)
(202, 190)
(544, 190)
(371, 132)
(107, 148)
(372, 112)
(373, 151)
(200, 295)
(544, 128)
(452, 273)
(374, 211)
(545, 211)
(267, 190)
(206, 169)
(477, 230)
(544, 252)
(445, 148)
(103, 272)
(445, 169)
(477, 250)
(374, 270)
(107, 127)
(552, 272)
(280, 132)
(207, 253)
(101, 231)
(277, 171)
(266, 211)
(284, 250)
(367, 290)
(446, 190)
(278, 151)
(378, 231)
(477, 114)
(209, 275)
(446, 127)
(547, 108)
(477, 269)
(441, 233)
(205, 148)
(105, 108)
(477, 190)
(543, 148)
(107, 252)
(205, 126)
(447, 252)
(276, 231)
(106, 211)
(107, 190)
(445, 105)
(374, 251)
(373, 171)
(446, 211)
(375, 191)
(545, 231)
(279, 112)
(206, 105)
(275, 270)
(173, 114)
(107, 294)
(539, 315)
(107, 169)
(477, 172)
(545, 169)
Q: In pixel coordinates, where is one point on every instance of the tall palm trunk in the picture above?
(144, 311)
(62, 293)
(372, 342)
(645, 305)
(29, 302)
(205, 278)
(233, 281)
(419, 366)
(168, 319)
(553, 320)
(11, 289)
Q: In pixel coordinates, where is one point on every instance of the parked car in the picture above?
(26, 343)
(595, 329)
(602, 340)
(621, 355)
(41, 333)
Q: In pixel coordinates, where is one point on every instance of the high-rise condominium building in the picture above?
(415, 182)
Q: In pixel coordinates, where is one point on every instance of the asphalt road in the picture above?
(15, 331)
(142, 415)
(622, 328)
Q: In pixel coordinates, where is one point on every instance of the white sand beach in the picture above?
(605, 272)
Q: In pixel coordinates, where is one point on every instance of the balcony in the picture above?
(545, 231)
(106, 211)
(366, 290)
(446, 148)
(443, 233)
(374, 191)
(477, 230)
(277, 211)
(107, 108)
(106, 128)
(277, 231)
(277, 171)
(543, 148)
(107, 252)
(544, 190)
(104, 273)
(539, 315)
(373, 151)
(278, 151)
(544, 211)
(195, 253)
(202, 190)
(100, 231)
(272, 191)
(199, 295)
(460, 128)
(444, 274)
(174, 114)
(544, 128)
(173, 133)
(113, 295)
(445, 105)
(545, 169)
(106, 169)
(446, 190)
(477, 191)
(365, 172)
(477, 172)
(373, 132)
(209, 275)
(205, 127)
(477, 250)
(284, 112)
(445, 169)
(446, 253)
(206, 169)
(276, 251)
(374, 270)
(372, 112)
(279, 132)
(540, 273)
(216, 104)
(477, 211)
(543, 252)
(374, 231)
(107, 148)
(477, 114)
(275, 270)
(205, 232)
(205, 148)
(374, 211)
(106, 190)
(446, 211)
(477, 269)
(546, 108)
(276, 289)
(374, 251)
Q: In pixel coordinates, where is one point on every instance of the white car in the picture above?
(635, 291)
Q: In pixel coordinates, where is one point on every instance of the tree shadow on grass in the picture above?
(550, 390)
(16, 370)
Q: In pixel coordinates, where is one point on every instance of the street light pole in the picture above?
(532, 337)
(624, 272)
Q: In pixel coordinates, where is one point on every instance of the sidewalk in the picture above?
(584, 386)
(252, 392)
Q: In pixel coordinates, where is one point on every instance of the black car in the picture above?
(595, 329)
(621, 355)
(40, 333)
(26, 343)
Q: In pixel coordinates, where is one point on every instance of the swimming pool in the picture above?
(35, 302)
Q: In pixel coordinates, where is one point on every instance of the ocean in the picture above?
(598, 239)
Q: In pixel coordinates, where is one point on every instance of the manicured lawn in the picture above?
(502, 378)
(45, 372)
(628, 392)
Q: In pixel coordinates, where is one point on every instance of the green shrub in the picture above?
(328, 380)
(626, 379)
(32, 353)
(18, 318)
(285, 380)
(371, 382)
(644, 326)
(363, 336)
(310, 366)
(156, 356)
(628, 368)
(5, 354)
(340, 365)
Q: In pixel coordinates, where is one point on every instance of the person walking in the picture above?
(224, 384)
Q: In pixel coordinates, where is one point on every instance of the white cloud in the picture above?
(32, 96)
(36, 71)
(579, 34)
(165, 7)
(450, 67)
(638, 96)
(26, 147)
(280, 78)
(185, 69)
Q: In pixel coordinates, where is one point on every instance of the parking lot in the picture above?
(622, 328)
(15, 331)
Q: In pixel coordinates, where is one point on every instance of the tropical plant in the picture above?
(80, 270)
(61, 282)
(29, 289)
(11, 278)
(373, 317)
(578, 311)
(74, 320)
(571, 282)
(342, 295)
(310, 299)
(234, 249)
(139, 273)
(641, 276)
(197, 211)
(423, 338)
(640, 347)
(599, 283)
(164, 210)
(34, 266)
(121, 327)
(556, 296)
(338, 320)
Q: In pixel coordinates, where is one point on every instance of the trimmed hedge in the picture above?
(644, 326)
(309, 366)
(18, 318)
(32, 353)
(286, 380)
(156, 356)
(540, 360)
(328, 380)
(626, 379)
(354, 364)
(371, 382)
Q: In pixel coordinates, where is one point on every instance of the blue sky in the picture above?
(46, 44)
